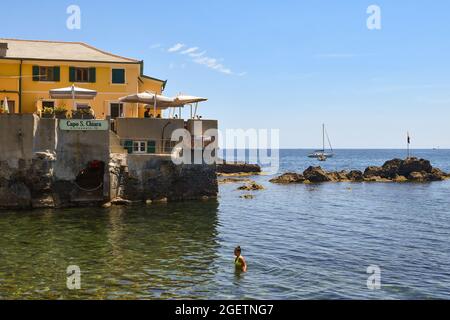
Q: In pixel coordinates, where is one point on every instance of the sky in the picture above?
(287, 65)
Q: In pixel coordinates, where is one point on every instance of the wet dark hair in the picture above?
(238, 248)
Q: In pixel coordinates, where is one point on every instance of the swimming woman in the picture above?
(239, 262)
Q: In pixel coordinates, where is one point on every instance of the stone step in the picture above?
(114, 143)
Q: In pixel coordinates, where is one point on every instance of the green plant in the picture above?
(61, 108)
(86, 111)
(47, 111)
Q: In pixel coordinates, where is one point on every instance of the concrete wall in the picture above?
(16, 137)
(145, 129)
(75, 149)
(45, 137)
(205, 125)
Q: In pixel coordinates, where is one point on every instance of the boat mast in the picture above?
(323, 137)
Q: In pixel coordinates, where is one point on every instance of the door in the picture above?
(116, 110)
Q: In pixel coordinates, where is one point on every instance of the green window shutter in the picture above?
(56, 74)
(35, 73)
(118, 76)
(72, 74)
(92, 75)
(151, 146)
(128, 145)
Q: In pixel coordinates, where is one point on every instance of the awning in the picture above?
(184, 99)
(149, 98)
(73, 92)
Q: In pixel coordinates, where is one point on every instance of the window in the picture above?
(48, 104)
(46, 73)
(118, 76)
(77, 74)
(82, 75)
(139, 147)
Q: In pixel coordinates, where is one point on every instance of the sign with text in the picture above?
(83, 125)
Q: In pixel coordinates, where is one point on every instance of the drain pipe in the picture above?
(20, 86)
(162, 136)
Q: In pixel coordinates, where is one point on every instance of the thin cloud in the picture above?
(176, 47)
(190, 50)
(201, 59)
(155, 46)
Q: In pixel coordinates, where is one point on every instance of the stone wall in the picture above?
(17, 137)
(153, 177)
(39, 165)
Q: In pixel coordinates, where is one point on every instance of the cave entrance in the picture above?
(90, 179)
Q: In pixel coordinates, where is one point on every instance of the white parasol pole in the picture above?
(154, 105)
(73, 97)
(5, 105)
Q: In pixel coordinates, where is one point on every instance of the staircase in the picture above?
(114, 144)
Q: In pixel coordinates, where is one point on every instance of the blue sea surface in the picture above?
(311, 241)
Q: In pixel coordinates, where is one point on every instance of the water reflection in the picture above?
(160, 251)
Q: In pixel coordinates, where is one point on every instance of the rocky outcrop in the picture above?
(289, 177)
(317, 174)
(395, 170)
(251, 187)
(355, 175)
(237, 168)
(29, 184)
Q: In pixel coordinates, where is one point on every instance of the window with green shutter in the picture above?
(77, 74)
(118, 76)
(92, 75)
(128, 145)
(56, 74)
(151, 146)
(35, 73)
(44, 73)
(72, 74)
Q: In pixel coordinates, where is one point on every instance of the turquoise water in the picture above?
(300, 242)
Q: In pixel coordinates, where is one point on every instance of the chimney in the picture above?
(3, 49)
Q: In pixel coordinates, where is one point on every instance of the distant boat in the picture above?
(321, 155)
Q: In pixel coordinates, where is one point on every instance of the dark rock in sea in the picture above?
(316, 174)
(120, 202)
(247, 196)
(410, 165)
(238, 168)
(417, 176)
(395, 170)
(251, 187)
(355, 175)
(390, 168)
(289, 177)
(437, 174)
(373, 171)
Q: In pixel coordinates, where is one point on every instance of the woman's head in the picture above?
(237, 251)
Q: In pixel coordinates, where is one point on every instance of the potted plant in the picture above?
(2, 110)
(48, 113)
(87, 113)
(61, 112)
(83, 113)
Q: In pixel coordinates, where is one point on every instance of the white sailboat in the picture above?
(322, 155)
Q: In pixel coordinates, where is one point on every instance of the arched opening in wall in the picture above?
(91, 178)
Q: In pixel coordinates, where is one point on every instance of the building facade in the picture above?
(29, 69)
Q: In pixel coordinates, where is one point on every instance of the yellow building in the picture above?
(29, 69)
